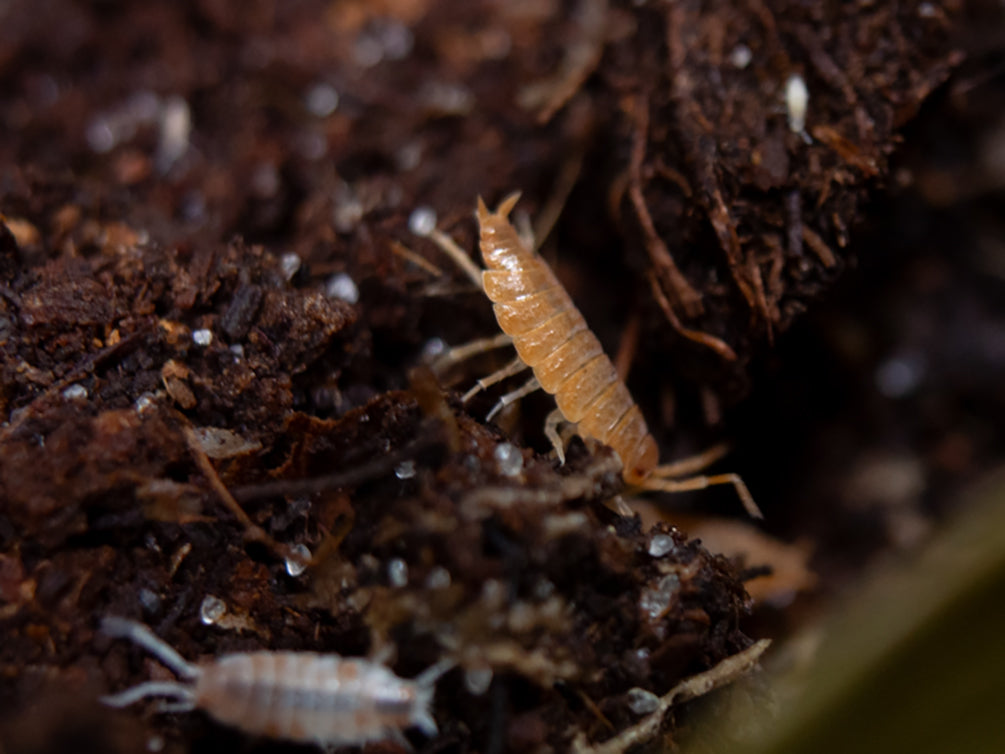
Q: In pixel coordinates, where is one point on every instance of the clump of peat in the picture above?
(220, 437)
(401, 524)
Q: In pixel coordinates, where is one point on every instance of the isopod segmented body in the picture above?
(553, 339)
(295, 696)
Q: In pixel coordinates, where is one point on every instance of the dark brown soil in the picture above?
(210, 288)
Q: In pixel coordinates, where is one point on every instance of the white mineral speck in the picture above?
(543, 589)
(149, 600)
(397, 572)
(367, 51)
(654, 601)
(660, 545)
(405, 470)
(295, 566)
(477, 680)
(642, 702)
(202, 337)
(438, 578)
(212, 610)
(342, 287)
(509, 459)
(433, 347)
(348, 209)
(900, 375)
(396, 39)
(446, 98)
(740, 56)
(383, 39)
(409, 156)
(144, 403)
(422, 221)
(290, 265)
(321, 99)
(75, 393)
(100, 136)
(175, 131)
(797, 99)
(493, 594)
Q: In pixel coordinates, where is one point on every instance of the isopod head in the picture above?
(501, 246)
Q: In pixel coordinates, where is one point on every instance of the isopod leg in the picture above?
(691, 464)
(137, 633)
(551, 432)
(183, 694)
(528, 387)
(514, 367)
(701, 482)
(182, 705)
(428, 677)
(457, 354)
(449, 247)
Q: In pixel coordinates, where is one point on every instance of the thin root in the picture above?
(380, 466)
(646, 730)
(582, 56)
(718, 345)
(252, 530)
(702, 154)
(659, 254)
(548, 216)
(418, 260)
(819, 247)
(628, 346)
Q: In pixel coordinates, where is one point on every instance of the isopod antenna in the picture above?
(183, 695)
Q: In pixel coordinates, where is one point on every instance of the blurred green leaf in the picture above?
(913, 661)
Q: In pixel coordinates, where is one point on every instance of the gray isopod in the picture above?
(296, 696)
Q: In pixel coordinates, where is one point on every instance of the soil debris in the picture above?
(216, 304)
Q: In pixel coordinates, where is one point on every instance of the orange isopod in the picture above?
(552, 338)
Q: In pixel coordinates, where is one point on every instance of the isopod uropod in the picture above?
(296, 696)
(552, 338)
